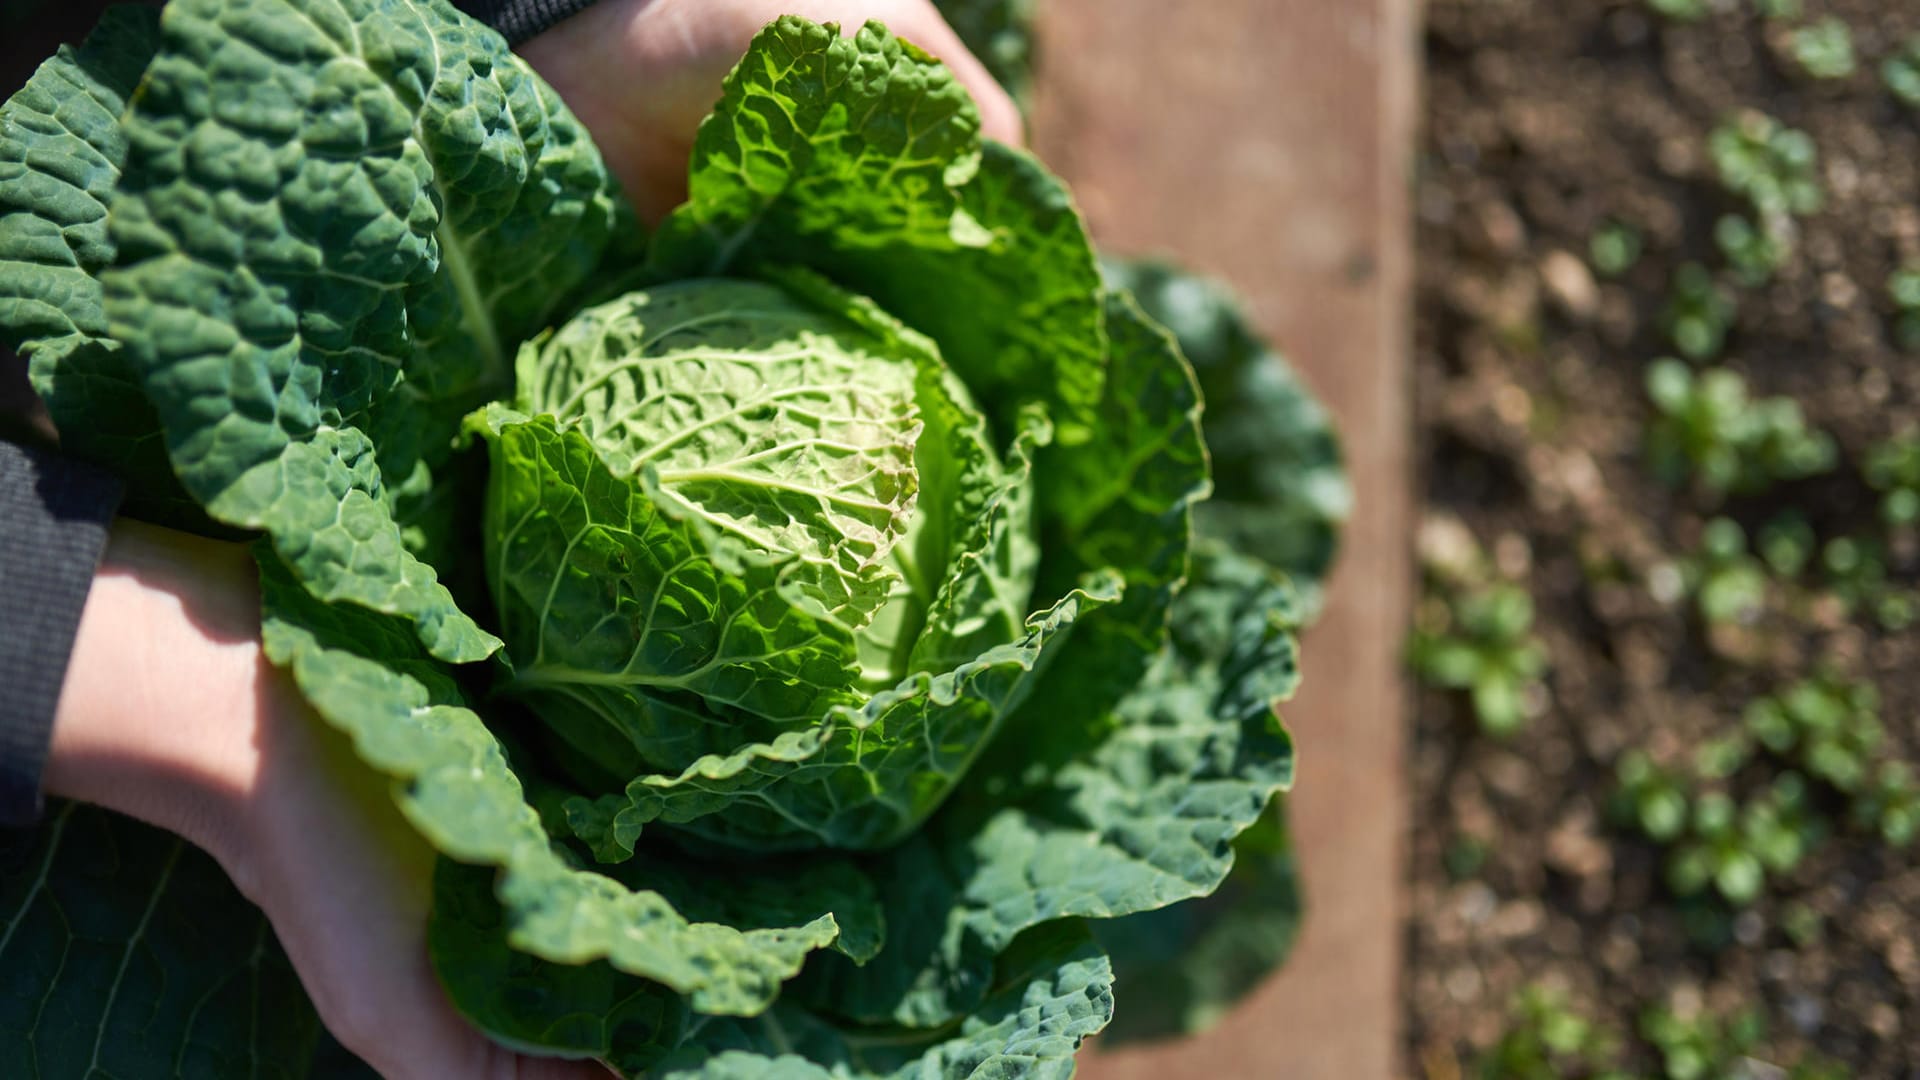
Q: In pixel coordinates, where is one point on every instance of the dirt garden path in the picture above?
(1266, 142)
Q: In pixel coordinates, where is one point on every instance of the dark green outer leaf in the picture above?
(363, 673)
(125, 952)
(61, 151)
(1280, 486)
(1053, 988)
(1123, 499)
(1186, 966)
(1192, 961)
(1030, 264)
(584, 1010)
(336, 222)
(1084, 809)
(595, 1010)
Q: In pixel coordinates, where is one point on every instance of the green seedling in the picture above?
(1889, 805)
(1774, 167)
(1723, 755)
(1708, 430)
(1777, 9)
(1819, 1068)
(1487, 648)
(1614, 248)
(1698, 314)
(1828, 726)
(1679, 10)
(1787, 544)
(1702, 1046)
(1465, 856)
(1824, 49)
(1901, 73)
(1714, 853)
(1856, 575)
(1903, 286)
(1546, 1039)
(1780, 826)
(1893, 469)
(1650, 798)
(1728, 584)
(1754, 252)
(1803, 925)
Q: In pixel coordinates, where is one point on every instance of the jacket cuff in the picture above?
(54, 514)
(518, 20)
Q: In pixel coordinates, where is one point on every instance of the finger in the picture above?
(406, 1029)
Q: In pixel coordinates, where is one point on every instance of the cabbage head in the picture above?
(789, 626)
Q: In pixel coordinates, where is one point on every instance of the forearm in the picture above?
(159, 710)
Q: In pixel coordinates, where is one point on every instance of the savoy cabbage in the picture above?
(790, 627)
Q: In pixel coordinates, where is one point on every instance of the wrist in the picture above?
(159, 710)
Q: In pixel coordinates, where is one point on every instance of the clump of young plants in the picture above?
(1852, 571)
(1728, 584)
(1614, 248)
(1650, 798)
(1714, 843)
(1698, 314)
(1892, 468)
(1824, 48)
(1479, 639)
(1755, 252)
(1826, 725)
(1734, 847)
(1901, 72)
(1903, 287)
(1707, 432)
(1855, 574)
(1702, 1045)
(1548, 1039)
(1772, 166)
(1889, 804)
(1787, 544)
(742, 612)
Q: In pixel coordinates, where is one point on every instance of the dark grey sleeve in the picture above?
(518, 20)
(53, 526)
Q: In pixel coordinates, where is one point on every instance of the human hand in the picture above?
(172, 714)
(640, 74)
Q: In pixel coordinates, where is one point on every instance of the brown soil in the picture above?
(1543, 121)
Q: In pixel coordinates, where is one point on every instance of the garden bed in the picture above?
(1569, 172)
